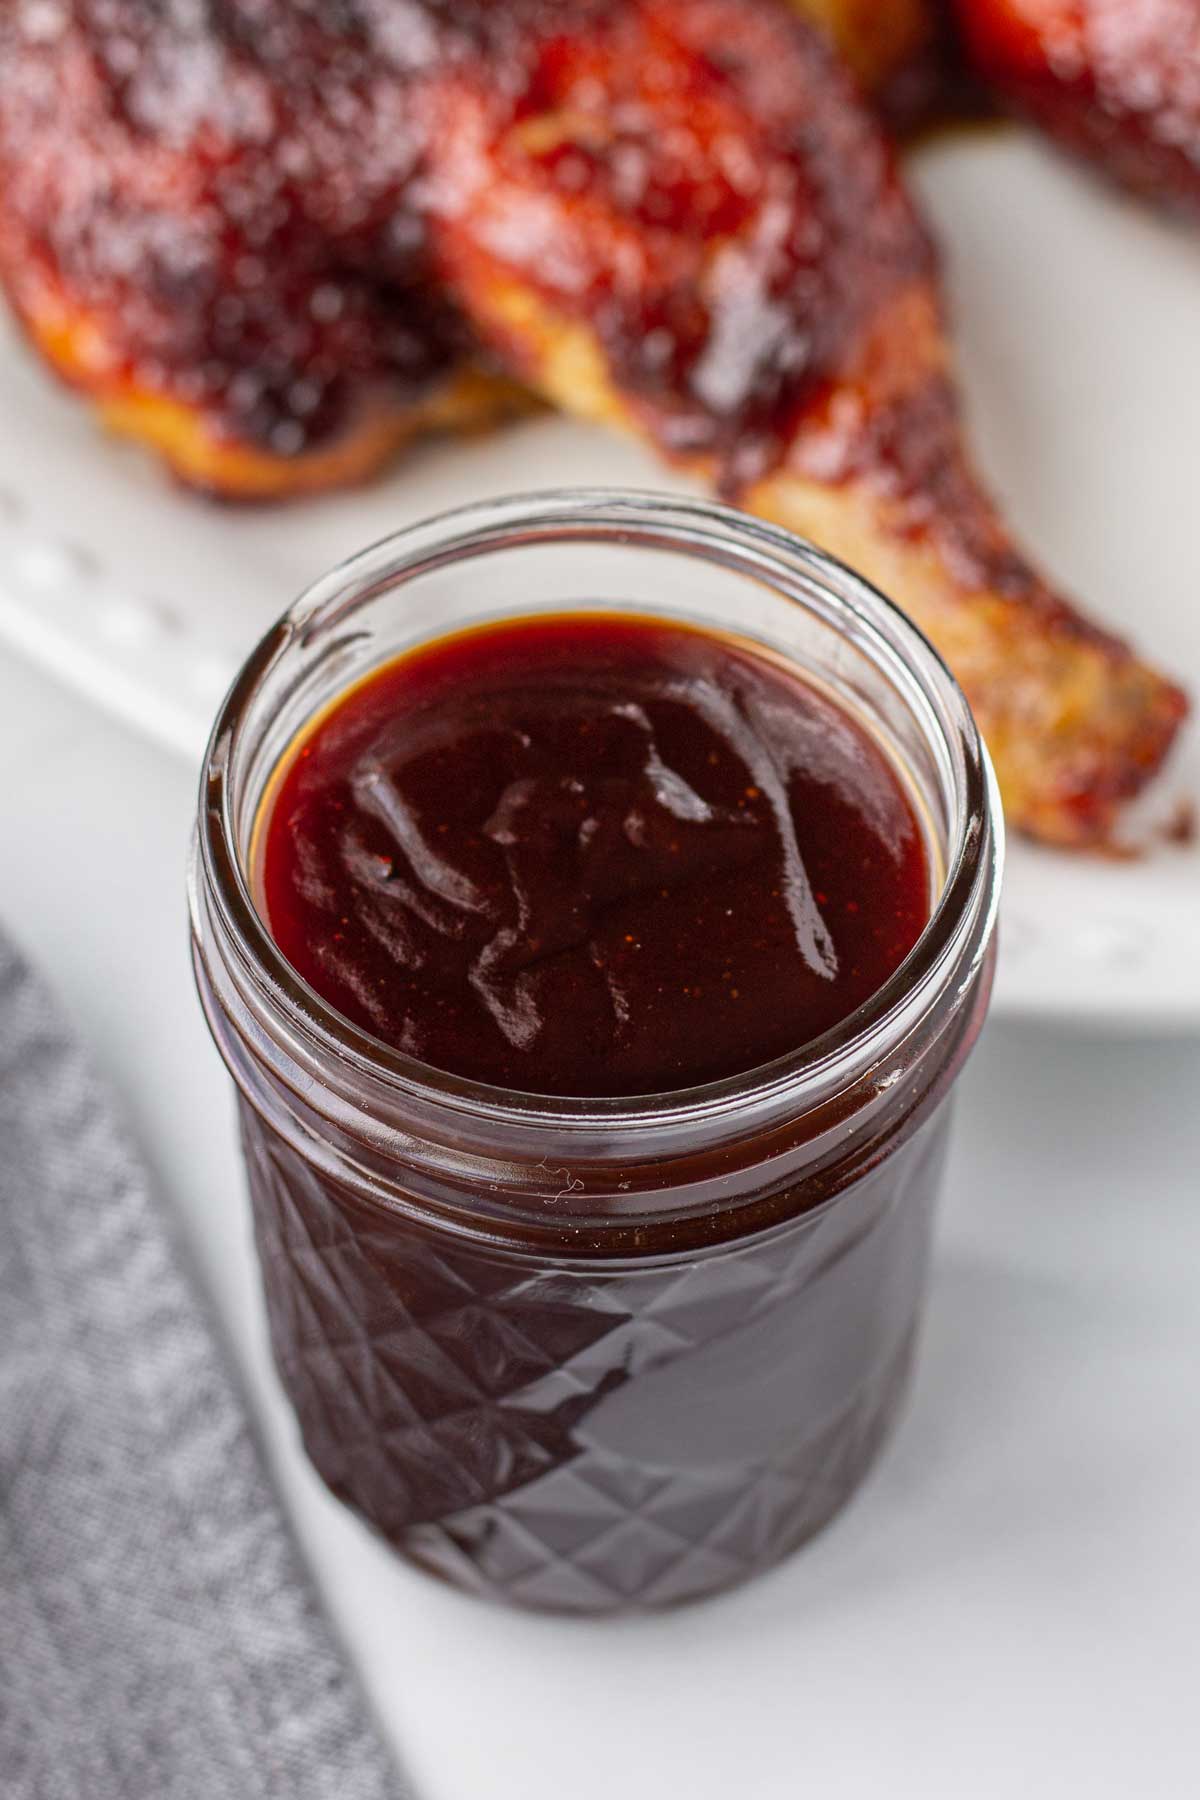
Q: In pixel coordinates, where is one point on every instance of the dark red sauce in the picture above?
(592, 855)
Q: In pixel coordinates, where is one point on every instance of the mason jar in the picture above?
(596, 1354)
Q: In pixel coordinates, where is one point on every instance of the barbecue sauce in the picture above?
(591, 855)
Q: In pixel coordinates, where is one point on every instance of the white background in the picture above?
(1009, 1609)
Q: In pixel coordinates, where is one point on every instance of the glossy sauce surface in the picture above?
(591, 855)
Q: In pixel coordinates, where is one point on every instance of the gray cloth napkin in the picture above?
(159, 1639)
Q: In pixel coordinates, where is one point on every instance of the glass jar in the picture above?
(596, 1354)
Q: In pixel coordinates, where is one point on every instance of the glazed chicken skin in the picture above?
(204, 225)
(277, 240)
(1117, 81)
(898, 51)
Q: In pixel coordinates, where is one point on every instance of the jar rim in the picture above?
(960, 922)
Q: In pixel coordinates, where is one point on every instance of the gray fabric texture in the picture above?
(159, 1639)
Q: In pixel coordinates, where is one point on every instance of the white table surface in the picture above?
(1010, 1607)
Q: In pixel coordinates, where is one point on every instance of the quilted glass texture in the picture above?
(593, 1436)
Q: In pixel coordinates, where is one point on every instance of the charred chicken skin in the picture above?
(1117, 81)
(276, 241)
(898, 51)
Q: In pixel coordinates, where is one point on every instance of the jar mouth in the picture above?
(950, 948)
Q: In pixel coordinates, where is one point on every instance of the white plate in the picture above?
(1077, 331)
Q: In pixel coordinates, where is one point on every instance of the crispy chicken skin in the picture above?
(895, 49)
(1118, 81)
(278, 240)
(204, 226)
(1115, 81)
